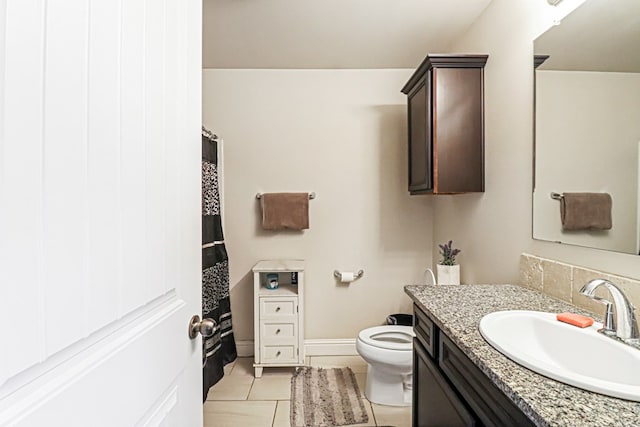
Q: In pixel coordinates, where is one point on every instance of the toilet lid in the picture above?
(390, 337)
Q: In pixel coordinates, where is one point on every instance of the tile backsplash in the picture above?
(563, 281)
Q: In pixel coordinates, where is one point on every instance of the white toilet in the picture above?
(389, 352)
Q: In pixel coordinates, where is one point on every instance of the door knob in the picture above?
(206, 327)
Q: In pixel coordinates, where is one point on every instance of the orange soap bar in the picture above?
(575, 319)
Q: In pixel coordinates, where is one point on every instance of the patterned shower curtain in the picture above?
(219, 349)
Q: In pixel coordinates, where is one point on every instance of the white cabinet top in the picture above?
(279, 265)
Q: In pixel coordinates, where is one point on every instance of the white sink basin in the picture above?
(580, 357)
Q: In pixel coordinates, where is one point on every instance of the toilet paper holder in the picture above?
(358, 275)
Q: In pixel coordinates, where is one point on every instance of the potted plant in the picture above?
(448, 270)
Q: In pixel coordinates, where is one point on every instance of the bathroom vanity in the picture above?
(460, 380)
(449, 389)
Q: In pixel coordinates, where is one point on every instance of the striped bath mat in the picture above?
(326, 397)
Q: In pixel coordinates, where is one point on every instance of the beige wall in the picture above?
(493, 228)
(341, 134)
(588, 134)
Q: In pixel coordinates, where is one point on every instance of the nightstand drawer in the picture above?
(278, 330)
(279, 354)
(278, 306)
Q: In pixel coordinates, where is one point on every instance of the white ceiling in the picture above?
(331, 33)
(600, 35)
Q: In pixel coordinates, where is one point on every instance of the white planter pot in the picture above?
(448, 274)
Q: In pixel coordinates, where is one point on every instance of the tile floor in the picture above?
(240, 400)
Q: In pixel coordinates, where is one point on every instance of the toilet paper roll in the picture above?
(347, 276)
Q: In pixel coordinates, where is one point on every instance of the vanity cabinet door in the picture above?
(435, 403)
(488, 403)
(426, 332)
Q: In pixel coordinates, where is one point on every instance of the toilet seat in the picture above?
(389, 337)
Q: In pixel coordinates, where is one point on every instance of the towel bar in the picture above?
(556, 196)
(311, 196)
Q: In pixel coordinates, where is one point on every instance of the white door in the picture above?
(99, 212)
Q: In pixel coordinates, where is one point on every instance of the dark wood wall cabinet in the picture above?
(449, 389)
(446, 125)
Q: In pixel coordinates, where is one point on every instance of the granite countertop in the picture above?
(457, 311)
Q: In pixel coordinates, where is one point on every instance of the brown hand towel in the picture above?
(586, 211)
(285, 211)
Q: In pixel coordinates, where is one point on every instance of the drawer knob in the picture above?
(277, 308)
(278, 353)
(278, 331)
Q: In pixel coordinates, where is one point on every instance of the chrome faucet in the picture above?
(624, 326)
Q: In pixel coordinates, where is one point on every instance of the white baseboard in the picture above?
(245, 348)
(330, 347)
(320, 347)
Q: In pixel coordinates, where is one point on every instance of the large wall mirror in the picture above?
(587, 121)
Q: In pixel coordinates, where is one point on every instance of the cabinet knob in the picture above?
(278, 331)
(277, 308)
(278, 353)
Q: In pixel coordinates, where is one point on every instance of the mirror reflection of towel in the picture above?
(285, 211)
(586, 211)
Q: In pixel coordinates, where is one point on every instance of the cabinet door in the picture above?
(420, 158)
(435, 404)
(458, 140)
(491, 405)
